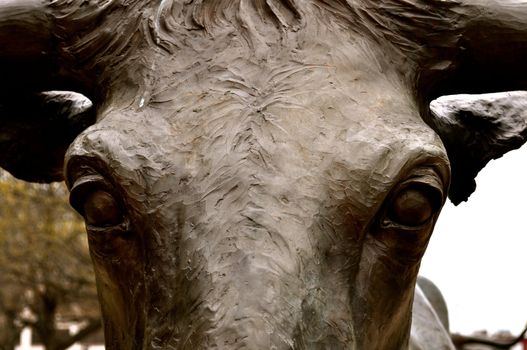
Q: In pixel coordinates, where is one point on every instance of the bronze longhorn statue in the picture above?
(261, 174)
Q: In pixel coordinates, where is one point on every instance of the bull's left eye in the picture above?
(415, 202)
(408, 215)
(414, 205)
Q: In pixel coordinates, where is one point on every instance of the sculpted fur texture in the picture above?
(260, 174)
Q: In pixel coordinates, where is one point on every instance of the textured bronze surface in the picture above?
(261, 174)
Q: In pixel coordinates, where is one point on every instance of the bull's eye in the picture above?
(101, 209)
(414, 205)
(108, 226)
(93, 198)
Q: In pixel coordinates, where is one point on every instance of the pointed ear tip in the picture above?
(457, 200)
(461, 188)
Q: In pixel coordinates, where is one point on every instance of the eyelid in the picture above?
(425, 176)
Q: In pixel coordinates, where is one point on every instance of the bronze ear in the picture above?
(476, 129)
(36, 130)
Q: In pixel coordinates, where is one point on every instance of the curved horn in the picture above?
(56, 45)
(27, 54)
(36, 130)
(63, 44)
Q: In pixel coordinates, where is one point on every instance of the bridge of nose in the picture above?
(252, 211)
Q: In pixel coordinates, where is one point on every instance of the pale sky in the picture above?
(478, 253)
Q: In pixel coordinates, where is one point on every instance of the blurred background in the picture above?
(47, 293)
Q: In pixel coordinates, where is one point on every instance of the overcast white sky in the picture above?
(478, 252)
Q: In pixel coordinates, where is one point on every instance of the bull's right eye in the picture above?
(111, 236)
(102, 210)
(92, 197)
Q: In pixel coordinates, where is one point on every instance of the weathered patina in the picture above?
(259, 174)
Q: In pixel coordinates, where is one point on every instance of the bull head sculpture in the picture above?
(259, 174)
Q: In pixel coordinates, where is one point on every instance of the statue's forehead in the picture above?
(380, 145)
(294, 113)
